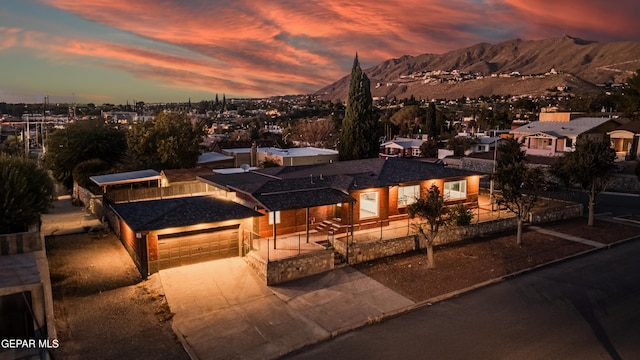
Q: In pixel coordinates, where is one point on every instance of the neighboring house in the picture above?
(159, 234)
(625, 140)
(256, 155)
(401, 147)
(215, 160)
(26, 306)
(554, 138)
(485, 144)
(362, 193)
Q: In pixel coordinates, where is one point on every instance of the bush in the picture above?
(88, 168)
(25, 192)
(461, 216)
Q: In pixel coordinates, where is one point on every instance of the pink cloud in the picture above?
(251, 47)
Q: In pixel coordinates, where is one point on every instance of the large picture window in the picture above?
(455, 190)
(368, 205)
(407, 195)
(274, 216)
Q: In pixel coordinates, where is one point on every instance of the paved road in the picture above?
(586, 308)
(614, 203)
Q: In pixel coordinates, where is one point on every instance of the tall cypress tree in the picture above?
(358, 138)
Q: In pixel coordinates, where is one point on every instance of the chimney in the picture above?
(254, 153)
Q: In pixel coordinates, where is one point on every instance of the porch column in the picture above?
(307, 223)
(274, 231)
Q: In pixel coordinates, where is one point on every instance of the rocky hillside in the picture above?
(515, 67)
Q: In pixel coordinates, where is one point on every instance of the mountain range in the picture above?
(514, 67)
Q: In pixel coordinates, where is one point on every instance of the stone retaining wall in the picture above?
(282, 270)
(367, 251)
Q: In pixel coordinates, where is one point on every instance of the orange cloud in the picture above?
(264, 48)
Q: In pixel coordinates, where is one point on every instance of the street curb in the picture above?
(429, 302)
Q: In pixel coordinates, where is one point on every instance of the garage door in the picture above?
(190, 248)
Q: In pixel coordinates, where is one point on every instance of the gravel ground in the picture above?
(463, 265)
(103, 310)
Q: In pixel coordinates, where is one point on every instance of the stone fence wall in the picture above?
(281, 270)
(92, 203)
(20, 243)
(625, 183)
(367, 251)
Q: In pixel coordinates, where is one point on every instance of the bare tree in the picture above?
(316, 132)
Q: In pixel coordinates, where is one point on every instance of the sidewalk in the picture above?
(64, 218)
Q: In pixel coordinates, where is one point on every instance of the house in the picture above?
(272, 202)
(256, 155)
(625, 140)
(159, 234)
(401, 147)
(554, 138)
(362, 193)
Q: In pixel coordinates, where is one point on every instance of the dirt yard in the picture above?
(102, 309)
(463, 265)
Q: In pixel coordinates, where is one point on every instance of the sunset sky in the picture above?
(114, 51)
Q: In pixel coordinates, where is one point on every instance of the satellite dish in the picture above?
(245, 167)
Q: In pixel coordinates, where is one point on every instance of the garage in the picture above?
(166, 233)
(198, 246)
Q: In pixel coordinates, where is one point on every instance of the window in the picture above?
(407, 195)
(415, 152)
(455, 190)
(274, 215)
(368, 205)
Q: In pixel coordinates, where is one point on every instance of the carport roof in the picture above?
(177, 212)
(125, 177)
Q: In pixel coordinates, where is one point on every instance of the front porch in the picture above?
(292, 256)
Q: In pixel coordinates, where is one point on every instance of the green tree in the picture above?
(25, 192)
(429, 148)
(433, 210)
(82, 141)
(359, 136)
(591, 166)
(11, 146)
(628, 98)
(520, 184)
(170, 141)
(408, 119)
(433, 129)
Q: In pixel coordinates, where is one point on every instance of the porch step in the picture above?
(329, 226)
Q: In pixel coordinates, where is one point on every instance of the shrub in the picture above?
(461, 215)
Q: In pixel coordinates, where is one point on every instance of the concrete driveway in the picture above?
(223, 310)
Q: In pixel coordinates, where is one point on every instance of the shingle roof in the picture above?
(632, 126)
(315, 185)
(176, 212)
(568, 128)
(183, 175)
